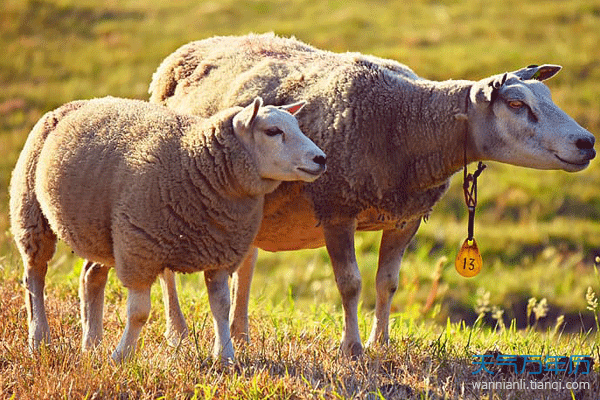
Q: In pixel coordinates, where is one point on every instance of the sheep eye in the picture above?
(516, 104)
(273, 131)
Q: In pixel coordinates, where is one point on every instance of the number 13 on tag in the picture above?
(468, 261)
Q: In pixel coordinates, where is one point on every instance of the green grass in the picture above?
(538, 230)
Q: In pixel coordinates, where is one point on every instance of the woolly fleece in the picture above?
(389, 157)
(132, 180)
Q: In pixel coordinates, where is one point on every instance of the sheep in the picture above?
(138, 187)
(394, 140)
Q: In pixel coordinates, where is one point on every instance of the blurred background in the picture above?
(538, 230)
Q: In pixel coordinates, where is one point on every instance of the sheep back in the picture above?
(357, 111)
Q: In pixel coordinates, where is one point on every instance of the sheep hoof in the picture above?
(375, 343)
(116, 358)
(35, 345)
(225, 359)
(174, 337)
(119, 356)
(352, 350)
(241, 338)
(239, 333)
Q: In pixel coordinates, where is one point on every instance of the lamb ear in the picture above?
(293, 108)
(538, 72)
(258, 102)
(245, 118)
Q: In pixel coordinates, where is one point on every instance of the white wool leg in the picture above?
(138, 310)
(218, 297)
(92, 282)
(391, 250)
(241, 282)
(177, 329)
(34, 278)
(339, 239)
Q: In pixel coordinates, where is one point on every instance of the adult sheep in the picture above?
(393, 139)
(140, 187)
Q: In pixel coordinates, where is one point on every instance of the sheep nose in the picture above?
(585, 143)
(320, 160)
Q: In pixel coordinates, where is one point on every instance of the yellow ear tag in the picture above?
(468, 261)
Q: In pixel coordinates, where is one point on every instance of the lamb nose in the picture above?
(585, 144)
(320, 160)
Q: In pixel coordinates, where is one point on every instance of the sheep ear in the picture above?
(257, 104)
(496, 85)
(538, 72)
(293, 108)
(486, 90)
(245, 118)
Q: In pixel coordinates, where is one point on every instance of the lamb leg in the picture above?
(177, 329)
(218, 298)
(92, 282)
(138, 310)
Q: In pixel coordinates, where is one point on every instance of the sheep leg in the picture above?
(34, 278)
(138, 310)
(339, 239)
(241, 282)
(391, 250)
(36, 243)
(218, 298)
(92, 282)
(177, 329)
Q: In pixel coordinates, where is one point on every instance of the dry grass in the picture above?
(293, 354)
(538, 229)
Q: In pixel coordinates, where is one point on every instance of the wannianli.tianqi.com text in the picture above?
(526, 384)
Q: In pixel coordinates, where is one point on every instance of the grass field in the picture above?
(538, 230)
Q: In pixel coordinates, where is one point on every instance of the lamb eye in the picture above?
(273, 131)
(516, 104)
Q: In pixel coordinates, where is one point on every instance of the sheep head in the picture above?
(513, 119)
(281, 151)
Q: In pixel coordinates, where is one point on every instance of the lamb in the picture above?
(138, 187)
(394, 140)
